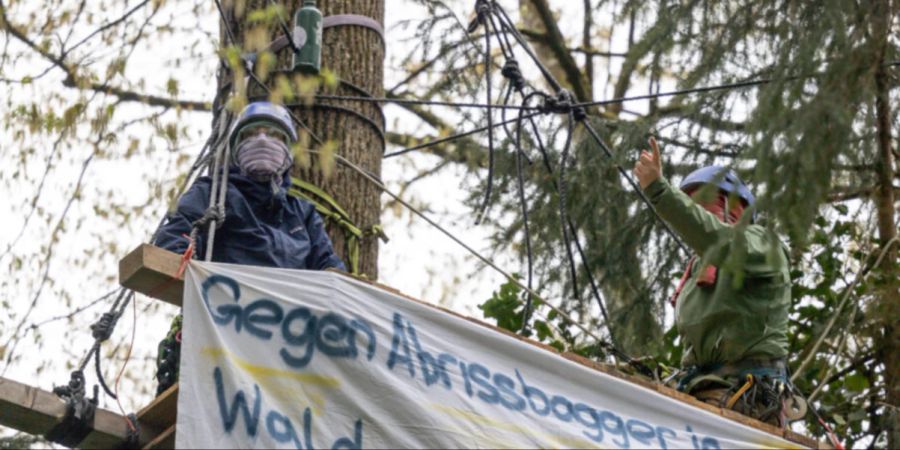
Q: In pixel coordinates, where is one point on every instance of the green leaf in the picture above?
(858, 415)
(172, 87)
(543, 330)
(856, 383)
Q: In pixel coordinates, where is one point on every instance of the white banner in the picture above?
(275, 358)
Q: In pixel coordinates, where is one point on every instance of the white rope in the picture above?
(217, 192)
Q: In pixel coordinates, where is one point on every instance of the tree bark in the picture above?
(355, 55)
(888, 305)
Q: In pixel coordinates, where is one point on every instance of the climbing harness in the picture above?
(168, 356)
(757, 388)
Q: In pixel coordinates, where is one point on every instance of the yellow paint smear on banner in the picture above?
(775, 445)
(258, 372)
(479, 419)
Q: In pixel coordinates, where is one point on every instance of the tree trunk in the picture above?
(888, 306)
(355, 55)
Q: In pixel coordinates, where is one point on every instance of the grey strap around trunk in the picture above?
(340, 20)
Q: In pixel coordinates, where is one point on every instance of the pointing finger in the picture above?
(655, 147)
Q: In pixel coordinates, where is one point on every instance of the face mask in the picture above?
(263, 158)
(720, 205)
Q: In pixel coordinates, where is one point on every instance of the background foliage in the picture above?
(105, 104)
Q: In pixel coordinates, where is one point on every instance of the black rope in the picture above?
(406, 101)
(263, 85)
(294, 117)
(594, 288)
(227, 24)
(511, 28)
(78, 420)
(285, 30)
(637, 189)
(502, 38)
(512, 72)
(484, 9)
(526, 313)
(505, 121)
(563, 104)
(368, 121)
(563, 204)
(720, 87)
(359, 90)
(100, 377)
(454, 137)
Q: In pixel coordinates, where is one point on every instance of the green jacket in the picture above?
(744, 315)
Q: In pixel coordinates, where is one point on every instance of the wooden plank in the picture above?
(35, 411)
(151, 271)
(29, 409)
(161, 413)
(165, 440)
(804, 440)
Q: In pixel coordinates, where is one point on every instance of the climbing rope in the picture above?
(524, 205)
(483, 10)
(600, 342)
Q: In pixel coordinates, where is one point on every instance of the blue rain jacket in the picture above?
(261, 228)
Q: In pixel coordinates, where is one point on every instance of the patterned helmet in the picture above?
(726, 179)
(266, 113)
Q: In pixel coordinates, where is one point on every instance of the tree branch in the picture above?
(586, 42)
(557, 45)
(152, 100)
(105, 27)
(72, 76)
(537, 36)
(636, 52)
(692, 113)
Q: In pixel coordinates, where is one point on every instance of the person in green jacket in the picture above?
(731, 306)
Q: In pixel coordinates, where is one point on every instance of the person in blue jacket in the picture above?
(263, 226)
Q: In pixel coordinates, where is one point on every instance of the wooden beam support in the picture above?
(165, 440)
(35, 411)
(161, 413)
(152, 271)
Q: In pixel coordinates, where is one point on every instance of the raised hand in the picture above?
(648, 167)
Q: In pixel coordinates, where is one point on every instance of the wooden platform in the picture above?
(35, 411)
(151, 271)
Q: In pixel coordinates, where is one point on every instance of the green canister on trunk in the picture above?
(308, 36)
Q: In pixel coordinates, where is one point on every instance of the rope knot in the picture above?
(74, 389)
(483, 10)
(103, 328)
(213, 213)
(512, 72)
(561, 103)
